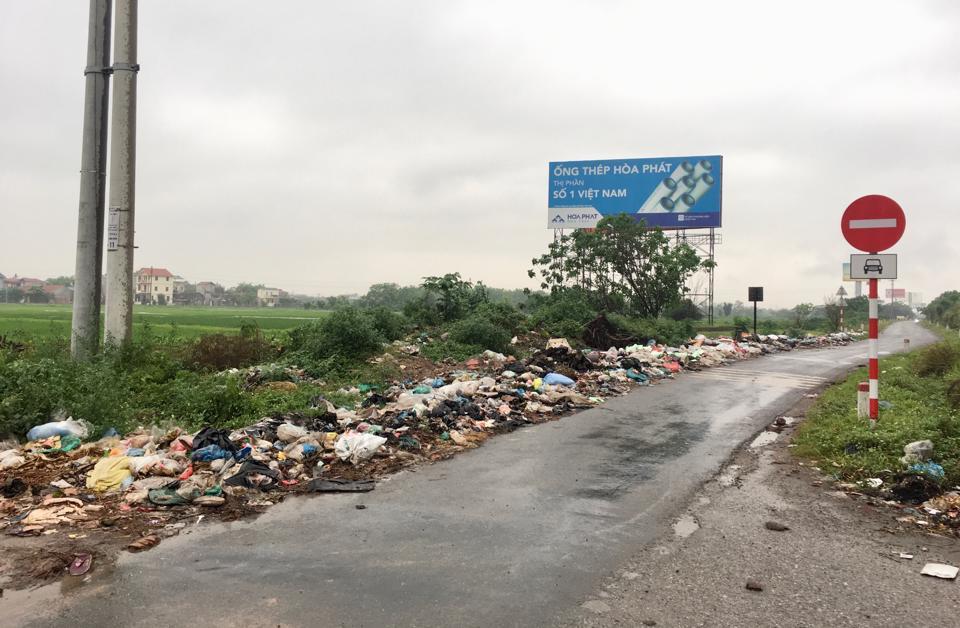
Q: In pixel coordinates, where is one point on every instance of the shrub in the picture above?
(502, 315)
(953, 393)
(346, 335)
(661, 330)
(937, 359)
(195, 400)
(741, 325)
(222, 351)
(479, 331)
(440, 350)
(685, 310)
(563, 314)
(390, 325)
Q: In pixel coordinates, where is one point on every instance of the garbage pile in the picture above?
(144, 482)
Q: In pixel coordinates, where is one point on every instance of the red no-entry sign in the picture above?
(873, 223)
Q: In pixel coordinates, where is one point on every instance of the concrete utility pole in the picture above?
(123, 153)
(85, 329)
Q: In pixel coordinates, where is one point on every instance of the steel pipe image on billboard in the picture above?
(665, 190)
(684, 169)
(656, 191)
(686, 191)
(703, 167)
(702, 187)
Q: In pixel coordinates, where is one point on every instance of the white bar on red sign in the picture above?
(874, 223)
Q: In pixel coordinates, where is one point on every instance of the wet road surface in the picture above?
(510, 534)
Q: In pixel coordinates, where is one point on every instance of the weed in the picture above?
(937, 359)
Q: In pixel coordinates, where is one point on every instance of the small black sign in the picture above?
(755, 294)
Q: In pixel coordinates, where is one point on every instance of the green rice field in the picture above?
(42, 320)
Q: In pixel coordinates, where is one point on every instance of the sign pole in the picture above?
(873, 223)
(874, 362)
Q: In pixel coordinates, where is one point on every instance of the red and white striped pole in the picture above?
(874, 363)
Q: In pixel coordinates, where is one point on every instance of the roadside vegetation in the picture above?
(920, 397)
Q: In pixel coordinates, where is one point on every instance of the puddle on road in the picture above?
(765, 438)
(685, 526)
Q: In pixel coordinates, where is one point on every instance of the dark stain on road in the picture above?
(632, 450)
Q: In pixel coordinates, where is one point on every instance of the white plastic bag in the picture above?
(11, 459)
(69, 427)
(289, 432)
(357, 446)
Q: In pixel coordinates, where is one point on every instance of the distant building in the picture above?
(269, 297)
(180, 285)
(3, 281)
(154, 286)
(212, 293)
(24, 283)
(61, 295)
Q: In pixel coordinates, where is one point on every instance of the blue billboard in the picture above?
(669, 192)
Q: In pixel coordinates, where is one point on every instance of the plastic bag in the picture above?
(289, 432)
(110, 474)
(11, 459)
(556, 379)
(69, 427)
(357, 446)
(155, 465)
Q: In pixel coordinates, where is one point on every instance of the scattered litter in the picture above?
(685, 526)
(764, 439)
(939, 570)
(906, 556)
(776, 526)
(931, 469)
(754, 585)
(147, 481)
(144, 543)
(917, 452)
(67, 427)
(80, 564)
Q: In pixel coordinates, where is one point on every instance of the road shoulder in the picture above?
(838, 564)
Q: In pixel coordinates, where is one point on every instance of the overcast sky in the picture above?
(321, 147)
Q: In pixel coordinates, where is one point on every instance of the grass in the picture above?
(21, 321)
(844, 444)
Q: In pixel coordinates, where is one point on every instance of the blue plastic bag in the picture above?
(930, 469)
(556, 379)
(210, 453)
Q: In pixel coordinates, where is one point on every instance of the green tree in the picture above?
(451, 297)
(942, 309)
(63, 280)
(37, 295)
(801, 312)
(244, 294)
(622, 265)
(686, 310)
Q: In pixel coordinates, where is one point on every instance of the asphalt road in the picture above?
(514, 533)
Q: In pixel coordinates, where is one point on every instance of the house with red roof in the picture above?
(154, 286)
